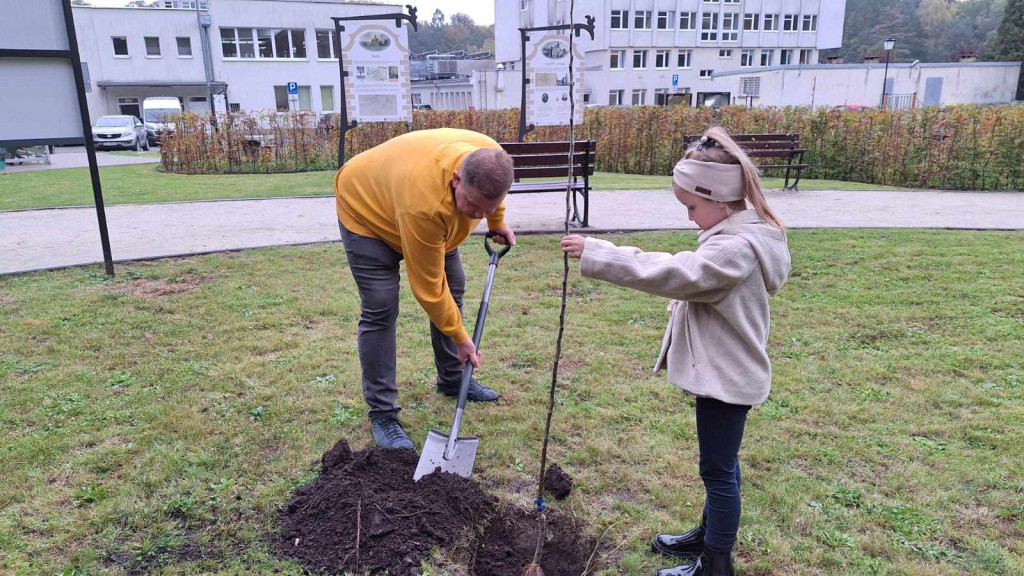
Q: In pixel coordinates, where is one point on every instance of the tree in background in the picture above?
(461, 33)
(1008, 45)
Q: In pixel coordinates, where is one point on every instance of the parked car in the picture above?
(159, 114)
(120, 132)
(852, 107)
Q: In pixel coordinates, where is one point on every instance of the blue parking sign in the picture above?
(293, 87)
(675, 80)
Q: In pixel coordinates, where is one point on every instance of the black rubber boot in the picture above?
(689, 545)
(708, 564)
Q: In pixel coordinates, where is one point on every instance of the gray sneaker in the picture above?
(477, 391)
(388, 432)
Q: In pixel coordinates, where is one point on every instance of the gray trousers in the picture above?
(374, 267)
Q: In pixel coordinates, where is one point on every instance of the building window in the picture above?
(725, 53)
(524, 5)
(746, 58)
(639, 59)
(730, 26)
(642, 20)
(235, 107)
(661, 96)
(665, 19)
(586, 98)
(810, 22)
(805, 57)
(618, 60)
(661, 59)
(730, 1)
(771, 22)
(785, 57)
(281, 98)
(639, 97)
(684, 58)
(750, 22)
(327, 98)
(706, 73)
(615, 98)
(184, 47)
(750, 86)
(709, 27)
(687, 20)
(711, 1)
(120, 45)
(789, 23)
(152, 46)
(271, 43)
(325, 44)
(766, 57)
(620, 19)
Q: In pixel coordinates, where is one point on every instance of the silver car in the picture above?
(120, 132)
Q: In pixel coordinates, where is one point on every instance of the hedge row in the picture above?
(962, 147)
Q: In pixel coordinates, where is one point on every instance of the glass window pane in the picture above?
(152, 46)
(323, 43)
(184, 46)
(305, 98)
(227, 43)
(281, 98)
(298, 43)
(281, 44)
(246, 47)
(327, 98)
(264, 37)
(120, 46)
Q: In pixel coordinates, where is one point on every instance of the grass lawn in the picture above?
(144, 183)
(158, 420)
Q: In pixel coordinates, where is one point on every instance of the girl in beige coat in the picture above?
(714, 344)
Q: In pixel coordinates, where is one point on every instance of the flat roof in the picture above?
(158, 84)
(866, 66)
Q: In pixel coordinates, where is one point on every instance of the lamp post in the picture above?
(889, 43)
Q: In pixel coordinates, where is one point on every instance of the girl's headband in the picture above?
(711, 180)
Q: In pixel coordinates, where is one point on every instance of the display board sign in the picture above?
(377, 81)
(547, 72)
(38, 88)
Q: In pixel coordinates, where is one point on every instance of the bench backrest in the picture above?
(551, 159)
(760, 145)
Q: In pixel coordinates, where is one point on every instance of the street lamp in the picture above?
(889, 43)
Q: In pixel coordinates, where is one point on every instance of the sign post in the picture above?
(39, 48)
(545, 64)
(293, 96)
(376, 86)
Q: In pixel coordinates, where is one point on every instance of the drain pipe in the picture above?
(204, 45)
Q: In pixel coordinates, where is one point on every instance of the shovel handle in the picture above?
(495, 254)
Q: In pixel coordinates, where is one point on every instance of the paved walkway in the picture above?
(40, 239)
(76, 157)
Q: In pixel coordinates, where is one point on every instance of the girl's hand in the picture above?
(573, 245)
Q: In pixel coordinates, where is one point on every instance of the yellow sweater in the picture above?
(400, 192)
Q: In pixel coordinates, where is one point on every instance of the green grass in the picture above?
(138, 428)
(143, 183)
(137, 154)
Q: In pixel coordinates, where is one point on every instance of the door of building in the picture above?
(129, 107)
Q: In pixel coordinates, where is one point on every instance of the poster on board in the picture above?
(547, 68)
(377, 85)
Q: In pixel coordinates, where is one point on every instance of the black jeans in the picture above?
(374, 267)
(719, 433)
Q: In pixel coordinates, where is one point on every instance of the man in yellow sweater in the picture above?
(417, 197)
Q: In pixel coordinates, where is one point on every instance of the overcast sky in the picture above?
(481, 11)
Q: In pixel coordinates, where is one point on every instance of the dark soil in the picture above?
(370, 497)
(557, 482)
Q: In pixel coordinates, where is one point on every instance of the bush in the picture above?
(962, 147)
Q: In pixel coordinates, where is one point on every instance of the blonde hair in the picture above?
(725, 150)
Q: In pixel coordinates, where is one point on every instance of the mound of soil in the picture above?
(365, 513)
(557, 482)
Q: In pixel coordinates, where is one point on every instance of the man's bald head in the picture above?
(489, 172)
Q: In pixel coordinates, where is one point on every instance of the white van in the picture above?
(158, 115)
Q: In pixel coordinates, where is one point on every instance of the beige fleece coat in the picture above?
(714, 344)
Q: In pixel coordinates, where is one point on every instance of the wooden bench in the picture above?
(551, 160)
(779, 147)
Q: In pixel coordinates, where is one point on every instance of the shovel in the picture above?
(447, 451)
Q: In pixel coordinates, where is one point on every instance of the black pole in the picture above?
(885, 77)
(90, 148)
(343, 110)
(522, 64)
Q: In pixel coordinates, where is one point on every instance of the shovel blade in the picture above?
(460, 461)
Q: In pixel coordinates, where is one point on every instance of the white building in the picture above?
(906, 85)
(256, 48)
(646, 51)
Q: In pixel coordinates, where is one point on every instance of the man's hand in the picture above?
(468, 353)
(573, 245)
(504, 235)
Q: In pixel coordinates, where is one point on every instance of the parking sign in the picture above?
(293, 88)
(675, 80)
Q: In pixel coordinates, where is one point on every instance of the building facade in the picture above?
(256, 47)
(661, 51)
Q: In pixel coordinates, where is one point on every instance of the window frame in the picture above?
(642, 92)
(709, 34)
(691, 19)
(751, 21)
(642, 14)
(731, 34)
(748, 56)
(620, 55)
(623, 16)
(771, 56)
(261, 41)
(149, 53)
(770, 23)
(177, 42)
(667, 57)
(790, 22)
(811, 20)
(618, 97)
(668, 19)
(786, 57)
(709, 73)
(687, 55)
(127, 52)
(643, 58)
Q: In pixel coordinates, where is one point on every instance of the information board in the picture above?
(377, 81)
(547, 72)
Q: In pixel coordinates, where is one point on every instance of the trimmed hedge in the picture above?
(959, 148)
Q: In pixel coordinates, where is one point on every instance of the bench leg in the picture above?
(576, 220)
